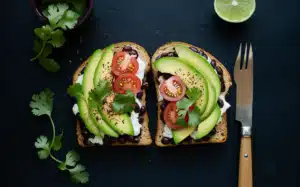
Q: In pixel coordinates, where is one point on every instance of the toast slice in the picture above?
(144, 138)
(219, 133)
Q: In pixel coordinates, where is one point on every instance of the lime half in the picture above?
(234, 11)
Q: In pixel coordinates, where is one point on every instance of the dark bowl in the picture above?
(36, 5)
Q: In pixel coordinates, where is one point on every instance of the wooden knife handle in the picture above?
(245, 167)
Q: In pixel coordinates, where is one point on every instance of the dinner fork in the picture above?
(243, 76)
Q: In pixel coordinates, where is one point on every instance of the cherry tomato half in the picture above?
(123, 63)
(172, 89)
(126, 82)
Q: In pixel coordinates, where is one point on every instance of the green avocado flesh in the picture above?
(85, 116)
(208, 124)
(190, 77)
(120, 123)
(87, 86)
(202, 65)
(180, 134)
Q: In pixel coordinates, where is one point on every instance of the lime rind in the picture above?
(235, 11)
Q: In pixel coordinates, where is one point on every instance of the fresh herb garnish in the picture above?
(124, 103)
(185, 107)
(51, 35)
(42, 104)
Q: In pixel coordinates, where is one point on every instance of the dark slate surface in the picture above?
(274, 32)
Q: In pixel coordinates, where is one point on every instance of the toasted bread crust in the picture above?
(145, 138)
(221, 128)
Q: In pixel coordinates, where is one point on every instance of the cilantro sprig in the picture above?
(50, 36)
(42, 104)
(124, 103)
(185, 107)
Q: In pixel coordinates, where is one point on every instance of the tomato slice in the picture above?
(172, 89)
(126, 82)
(124, 63)
(170, 116)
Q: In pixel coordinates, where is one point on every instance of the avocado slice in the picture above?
(180, 134)
(86, 118)
(190, 77)
(202, 65)
(208, 124)
(120, 123)
(87, 86)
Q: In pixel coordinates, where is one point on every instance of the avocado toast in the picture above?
(191, 87)
(109, 88)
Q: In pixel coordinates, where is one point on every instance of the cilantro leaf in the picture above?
(42, 143)
(44, 33)
(193, 94)
(62, 166)
(124, 103)
(57, 142)
(42, 103)
(77, 168)
(100, 91)
(80, 177)
(79, 5)
(56, 12)
(57, 38)
(49, 64)
(72, 158)
(194, 117)
(181, 121)
(69, 20)
(75, 90)
(38, 47)
(184, 103)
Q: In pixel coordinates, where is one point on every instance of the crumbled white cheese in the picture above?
(75, 109)
(96, 140)
(134, 117)
(141, 72)
(79, 79)
(167, 132)
(225, 106)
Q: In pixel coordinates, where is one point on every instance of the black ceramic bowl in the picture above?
(37, 6)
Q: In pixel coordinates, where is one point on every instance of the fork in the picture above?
(243, 76)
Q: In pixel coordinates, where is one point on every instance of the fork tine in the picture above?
(250, 60)
(245, 58)
(238, 61)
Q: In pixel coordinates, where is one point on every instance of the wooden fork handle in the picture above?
(245, 167)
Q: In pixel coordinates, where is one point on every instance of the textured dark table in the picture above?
(274, 31)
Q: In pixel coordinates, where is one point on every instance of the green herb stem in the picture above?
(53, 131)
(55, 159)
(40, 53)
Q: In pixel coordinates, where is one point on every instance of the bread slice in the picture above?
(220, 135)
(145, 137)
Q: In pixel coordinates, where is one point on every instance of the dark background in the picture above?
(274, 31)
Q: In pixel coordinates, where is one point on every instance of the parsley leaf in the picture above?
(42, 104)
(69, 20)
(57, 142)
(57, 38)
(43, 144)
(124, 103)
(194, 117)
(49, 64)
(72, 158)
